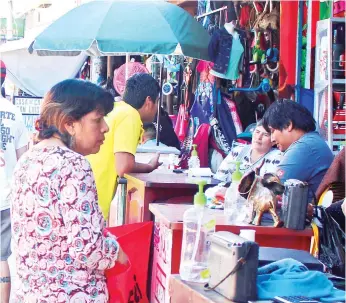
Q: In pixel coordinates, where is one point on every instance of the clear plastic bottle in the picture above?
(234, 202)
(198, 227)
(194, 162)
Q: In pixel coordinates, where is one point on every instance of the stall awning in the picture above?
(33, 74)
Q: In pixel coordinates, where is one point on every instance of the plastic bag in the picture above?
(128, 284)
(332, 244)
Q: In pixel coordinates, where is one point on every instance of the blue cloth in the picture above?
(307, 159)
(289, 277)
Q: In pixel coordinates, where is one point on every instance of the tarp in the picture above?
(34, 74)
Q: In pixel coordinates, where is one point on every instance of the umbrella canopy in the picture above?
(106, 28)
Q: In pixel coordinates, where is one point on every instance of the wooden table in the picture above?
(168, 232)
(181, 291)
(160, 186)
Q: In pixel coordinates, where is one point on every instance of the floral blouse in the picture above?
(58, 235)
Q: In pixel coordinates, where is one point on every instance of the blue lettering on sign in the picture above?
(5, 132)
(29, 121)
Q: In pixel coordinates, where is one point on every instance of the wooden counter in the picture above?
(168, 232)
(181, 291)
(160, 186)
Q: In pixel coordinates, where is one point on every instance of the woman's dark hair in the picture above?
(283, 112)
(138, 88)
(69, 101)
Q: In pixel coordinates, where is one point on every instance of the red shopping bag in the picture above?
(128, 283)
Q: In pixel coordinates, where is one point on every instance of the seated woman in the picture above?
(260, 154)
(60, 243)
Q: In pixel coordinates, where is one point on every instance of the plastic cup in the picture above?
(248, 234)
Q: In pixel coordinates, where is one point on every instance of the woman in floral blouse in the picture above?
(59, 240)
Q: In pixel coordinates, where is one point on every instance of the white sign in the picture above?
(30, 109)
(29, 121)
(28, 105)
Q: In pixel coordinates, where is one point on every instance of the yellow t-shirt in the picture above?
(125, 132)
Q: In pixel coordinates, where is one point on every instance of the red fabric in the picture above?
(2, 69)
(201, 139)
(233, 110)
(204, 67)
(288, 43)
(182, 123)
(129, 283)
(244, 16)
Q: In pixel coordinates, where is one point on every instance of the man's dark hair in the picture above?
(283, 112)
(138, 88)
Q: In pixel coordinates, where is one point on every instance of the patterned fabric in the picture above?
(242, 153)
(59, 241)
(236, 120)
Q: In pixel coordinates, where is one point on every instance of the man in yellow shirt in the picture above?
(117, 155)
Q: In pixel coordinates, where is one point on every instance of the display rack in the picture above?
(326, 83)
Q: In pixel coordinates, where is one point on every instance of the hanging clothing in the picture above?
(232, 72)
(236, 119)
(220, 47)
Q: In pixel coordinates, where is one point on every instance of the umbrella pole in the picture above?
(127, 66)
(109, 67)
(159, 106)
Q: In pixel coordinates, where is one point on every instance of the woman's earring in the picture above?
(72, 141)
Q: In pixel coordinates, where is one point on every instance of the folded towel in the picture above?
(289, 277)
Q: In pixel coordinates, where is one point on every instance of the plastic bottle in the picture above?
(234, 203)
(194, 160)
(198, 227)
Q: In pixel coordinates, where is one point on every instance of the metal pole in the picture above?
(299, 49)
(127, 66)
(159, 103)
(9, 25)
(212, 12)
(308, 45)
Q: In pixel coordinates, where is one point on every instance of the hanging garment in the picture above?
(233, 110)
(204, 68)
(245, 109)
(225, 120)
(220, 47)
(202, 109)
(236, 53)
(201, 139)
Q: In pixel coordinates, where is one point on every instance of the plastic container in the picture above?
(194, 159)
(198, 226)
(234, 202)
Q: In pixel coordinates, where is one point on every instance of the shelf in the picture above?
(339, 137)
(339, 81)
(337, 20)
